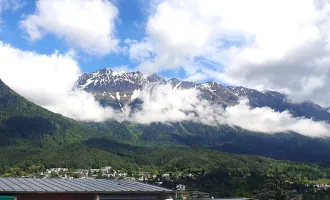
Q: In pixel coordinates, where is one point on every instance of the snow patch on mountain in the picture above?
(135, 94)
(111, 95)
(118, 73)
(88, 82)
(118, 96)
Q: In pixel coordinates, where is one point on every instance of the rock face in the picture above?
(116, 88)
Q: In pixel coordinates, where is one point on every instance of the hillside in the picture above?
(33, 135)
(34, 138)
(284, 146)
(22, 121)
(29, 131)
(117, 89)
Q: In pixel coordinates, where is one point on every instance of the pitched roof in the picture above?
(31, 185)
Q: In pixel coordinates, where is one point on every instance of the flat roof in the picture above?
(56, 185)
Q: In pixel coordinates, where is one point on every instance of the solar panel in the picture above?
(130, 186)
(67, 187)
(115, 186)
(96, 186)
(4, 186)
(144, 187)
(75, 185)
(11, 184)
(24, 186)
(37, 185)
(49, 184)
(138, 186)
(84, 184)
(32, 186)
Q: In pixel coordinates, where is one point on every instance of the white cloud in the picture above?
(139, 51)
(178, 33)
(123, 68)
(88, 25)
(49, 81)
(266, 44)
(250, 44)
(267, 120)
(197, 77)
(164, 104)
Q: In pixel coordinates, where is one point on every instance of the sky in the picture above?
(280, 45)
(125, 26)
(262, 44)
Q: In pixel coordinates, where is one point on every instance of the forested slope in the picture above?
(285, 146)
(31, 135)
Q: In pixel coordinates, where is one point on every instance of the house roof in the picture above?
(33, 185)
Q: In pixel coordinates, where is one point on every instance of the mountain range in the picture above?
(31, 134)
(118, 88)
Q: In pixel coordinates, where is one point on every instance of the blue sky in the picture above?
(195, 40)
(128, 25)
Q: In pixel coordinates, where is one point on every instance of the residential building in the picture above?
(180, 187)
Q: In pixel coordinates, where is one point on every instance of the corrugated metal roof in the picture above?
(28, 185)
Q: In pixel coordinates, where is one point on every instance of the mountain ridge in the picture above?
(116, 89)
(31, 135)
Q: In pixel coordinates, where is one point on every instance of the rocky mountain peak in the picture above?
(117, 88)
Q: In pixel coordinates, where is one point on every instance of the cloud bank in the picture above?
(165, 104)
(88, 25)
(242, 43)
(237, 41)
(49, 81)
